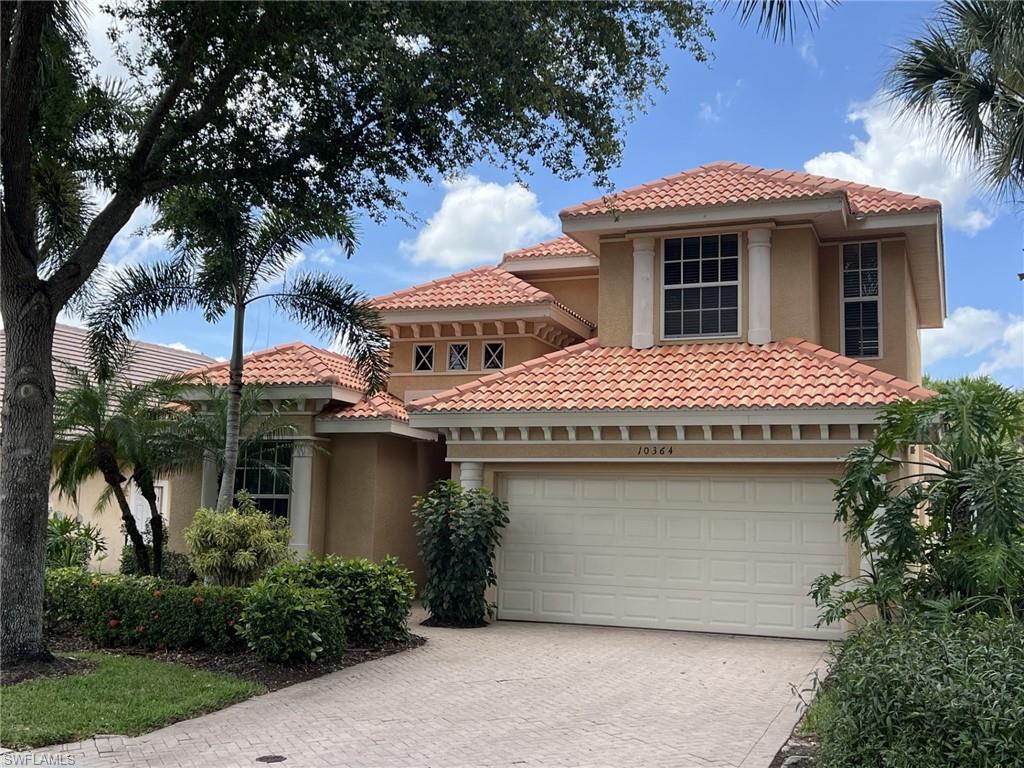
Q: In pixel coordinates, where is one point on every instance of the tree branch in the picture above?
(20, 70)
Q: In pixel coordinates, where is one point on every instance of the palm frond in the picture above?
(332, 307)
(778, 19)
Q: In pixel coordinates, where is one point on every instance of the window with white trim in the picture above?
(701, 286)
(423, 357)
(494, 355)
(458, 356)
(861, 289)
(264, 470)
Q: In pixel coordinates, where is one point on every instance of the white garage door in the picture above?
(712, 554)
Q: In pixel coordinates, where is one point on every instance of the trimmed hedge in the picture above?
(374, 598)
(144, 612)
(286, 622)
(910, 695)
(64, 596)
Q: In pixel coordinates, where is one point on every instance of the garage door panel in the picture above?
(665, 569)
(707, 553)
(735, 613)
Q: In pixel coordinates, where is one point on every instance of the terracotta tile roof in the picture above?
(475, 288)
(587, 376)
(383, 405)
(291, 364)
(727, 183)
(146, 362)
(560, 247)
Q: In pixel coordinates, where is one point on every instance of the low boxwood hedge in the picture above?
(374, 598)
(911, 695)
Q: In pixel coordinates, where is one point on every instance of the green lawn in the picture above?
(124, 695)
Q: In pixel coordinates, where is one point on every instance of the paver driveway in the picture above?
(512, 694)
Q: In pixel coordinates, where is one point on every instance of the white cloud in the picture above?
(806, 51)
(181, 347)
(967, 331)
(906, 155)
(1008, 354)
(711, 111)
(477, 222)
(981, 342)
(97, 23)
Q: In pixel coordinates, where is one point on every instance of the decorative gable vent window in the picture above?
(861, 290)
(494, 355)
(701, 282)
(264, 470)
(423, 357)
(458, 357)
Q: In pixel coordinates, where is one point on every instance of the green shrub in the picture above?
(236, 547)
(286, 622)
(64, 596)
(459, 531)
(177, 568)
(145, 612)
(70, 543)
(375, 598)
(909, 695)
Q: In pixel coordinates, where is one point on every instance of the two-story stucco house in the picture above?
(662, 395)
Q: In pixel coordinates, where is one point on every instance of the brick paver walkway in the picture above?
(512, 694)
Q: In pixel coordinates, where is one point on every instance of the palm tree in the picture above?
(229, 256)
(967, 72)
(107, 425)
(203, 426)
(966, 472)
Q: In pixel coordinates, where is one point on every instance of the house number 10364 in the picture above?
(654, 450)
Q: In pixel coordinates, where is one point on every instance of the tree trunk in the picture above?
(227, 480)
(25, 445)
(106, 460)
(138, 542)
(156, 524)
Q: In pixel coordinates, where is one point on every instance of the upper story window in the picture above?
(458, 356)
(494, 355)
(423, 357)
(861, 289)
(264, 470)
(701, 286)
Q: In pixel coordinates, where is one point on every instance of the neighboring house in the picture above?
(176, 495)
(662, 396)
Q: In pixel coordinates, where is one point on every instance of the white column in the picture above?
(471, 474)
(300, 503)
(759, 291)
(211, 482)
(643, 292)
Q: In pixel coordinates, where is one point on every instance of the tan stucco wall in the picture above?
(518, 349)
(370, 483)
(795, 285)
(185, 491)
(901, 355)
(580, 294)
(181, 500)
(615, 302)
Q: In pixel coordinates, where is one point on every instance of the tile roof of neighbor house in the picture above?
(146, 363)
(728, 183)
(474, 288)
(559, 247)
(587, 376)
(382, 405)
(292, 364)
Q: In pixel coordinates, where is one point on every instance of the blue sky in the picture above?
(811, 104)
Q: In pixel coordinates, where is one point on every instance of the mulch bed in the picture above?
(59, 666)
(799, 751)
(246, 665)
(432, 622)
